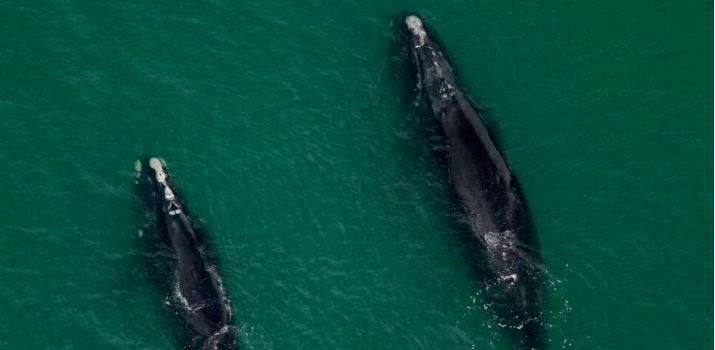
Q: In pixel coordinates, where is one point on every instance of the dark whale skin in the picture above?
(494, 206)
(197, 284)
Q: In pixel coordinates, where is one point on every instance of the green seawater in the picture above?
(290, 130)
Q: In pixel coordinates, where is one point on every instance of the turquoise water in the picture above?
(291, 133)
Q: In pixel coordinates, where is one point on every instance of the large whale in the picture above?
(197, 286)
(495, 209)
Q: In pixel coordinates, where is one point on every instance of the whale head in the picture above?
(434, 74)
(415, 27)
(162, 186)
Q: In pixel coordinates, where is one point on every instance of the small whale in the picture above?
(197, 286)
(493, 202)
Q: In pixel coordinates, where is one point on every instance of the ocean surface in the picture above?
(291, 131)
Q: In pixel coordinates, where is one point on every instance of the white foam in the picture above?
(211, 340)
(182, 299)
(510, 278)
(492, 240)
(414, 24)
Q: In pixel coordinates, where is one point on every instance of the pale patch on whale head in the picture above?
(414, 24)
(168, 194)
(158, 167)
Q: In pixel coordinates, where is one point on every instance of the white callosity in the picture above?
(158, 167)
(155, 164)
(414, 24)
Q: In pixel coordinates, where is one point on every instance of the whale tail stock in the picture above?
(223, 339)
